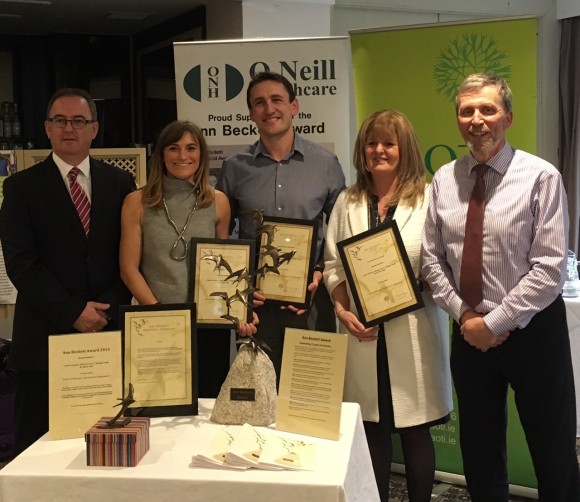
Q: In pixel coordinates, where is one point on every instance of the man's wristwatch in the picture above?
(319, 268)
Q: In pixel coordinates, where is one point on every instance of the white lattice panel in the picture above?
(133, 160)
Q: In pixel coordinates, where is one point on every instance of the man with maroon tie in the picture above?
(494, 254)
(60, 228)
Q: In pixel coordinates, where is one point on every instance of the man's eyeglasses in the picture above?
(76, 123)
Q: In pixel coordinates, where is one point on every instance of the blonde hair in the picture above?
(411, 169)
(153, 191)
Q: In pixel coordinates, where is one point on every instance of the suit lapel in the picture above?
(102, 199)
(98, 189)
(402, 216)
(358, 217)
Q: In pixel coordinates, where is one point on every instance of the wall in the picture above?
(568, 8)
(223, 19)
(288, 19)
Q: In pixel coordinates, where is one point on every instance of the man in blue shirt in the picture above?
(286, 175)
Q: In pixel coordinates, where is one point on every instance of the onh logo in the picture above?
(216, 83)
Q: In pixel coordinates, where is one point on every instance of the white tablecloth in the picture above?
(573, 315)
(57, 470)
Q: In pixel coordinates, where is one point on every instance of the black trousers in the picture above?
(213, 356)
(31, 406)
(536, 362)
(273, 323)
(322, 316)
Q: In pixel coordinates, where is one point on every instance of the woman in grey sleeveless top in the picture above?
(158, 222)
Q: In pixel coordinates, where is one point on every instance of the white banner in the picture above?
(212, 78)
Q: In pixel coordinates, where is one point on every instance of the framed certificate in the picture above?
(286, 259)
(379, 273)
(160, 359)
(221, 281)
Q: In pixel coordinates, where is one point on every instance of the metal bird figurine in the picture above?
(254, 344)
(248, 292)
(219, 261)
(273, 253)
(239, 275)
(233, 319)
(258, 216)
(267, 247)
(269, 230)
(125, 402)
(286, 257)
(265, 269)
(240, 297)
(222, 294)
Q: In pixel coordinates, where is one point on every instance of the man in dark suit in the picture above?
(62, 258)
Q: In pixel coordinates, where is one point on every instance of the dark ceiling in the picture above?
(105, 17)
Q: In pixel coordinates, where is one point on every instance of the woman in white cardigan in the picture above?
(398, 372)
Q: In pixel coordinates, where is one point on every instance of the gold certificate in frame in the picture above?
(221, 281)
(286, 259)
(160, 359)
(379, 273)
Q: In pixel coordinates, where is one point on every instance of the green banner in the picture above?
(448, 454)
(417, 70)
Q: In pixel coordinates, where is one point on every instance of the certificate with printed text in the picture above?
(311, 383)
(379, 274)
(160, 356)
(85, 381)
(286, 259)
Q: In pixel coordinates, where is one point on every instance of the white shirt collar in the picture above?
(64, 168)
(84, 179)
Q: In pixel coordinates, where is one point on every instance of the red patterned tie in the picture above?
(471, 281)
(80, 200)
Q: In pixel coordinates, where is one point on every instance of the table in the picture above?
(57, 470)
(573, 315)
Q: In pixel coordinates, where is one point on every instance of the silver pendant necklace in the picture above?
(377, 218)
(371, 214)
(180, 233)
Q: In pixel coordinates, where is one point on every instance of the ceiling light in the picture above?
(39, 2)
(128, 16)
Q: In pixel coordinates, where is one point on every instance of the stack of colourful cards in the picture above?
(119, 447)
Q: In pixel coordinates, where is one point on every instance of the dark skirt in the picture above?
(386, 413)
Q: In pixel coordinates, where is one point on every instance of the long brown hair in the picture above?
(172, 133)
(411, 169)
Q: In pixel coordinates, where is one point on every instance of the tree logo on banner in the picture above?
(217, 83)
(470, 53)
